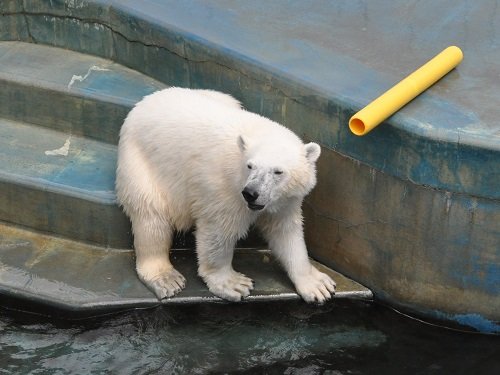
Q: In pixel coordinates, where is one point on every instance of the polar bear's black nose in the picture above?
(250, 195)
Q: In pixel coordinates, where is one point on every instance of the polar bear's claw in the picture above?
(317, 287)
(166, 285)
(232, 286)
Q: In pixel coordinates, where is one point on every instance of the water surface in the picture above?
(265, 338)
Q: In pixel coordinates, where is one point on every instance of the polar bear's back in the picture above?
(183, 123)
(177, 147)
(178, 116)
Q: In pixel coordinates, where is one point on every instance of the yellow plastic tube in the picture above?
(405, 91)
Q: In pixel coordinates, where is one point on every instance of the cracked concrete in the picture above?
(185, 56)
(254, 76)
(289, 97)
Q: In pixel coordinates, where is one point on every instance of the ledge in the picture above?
(50, 275)
(328, 58)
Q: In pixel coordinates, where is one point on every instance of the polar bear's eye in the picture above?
(278, 171)
(249, 166)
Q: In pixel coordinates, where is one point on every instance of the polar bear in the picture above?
(196, 158)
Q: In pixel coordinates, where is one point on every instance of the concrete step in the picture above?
(60, 183)
(60, 114)
(68, 91)
(65, 245)
(64, 185)
(50, 275)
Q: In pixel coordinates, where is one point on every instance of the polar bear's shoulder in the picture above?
(221, 98)
(194, 97)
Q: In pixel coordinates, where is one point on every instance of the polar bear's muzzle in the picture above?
(250, 197)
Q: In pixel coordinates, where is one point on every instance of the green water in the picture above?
(268, 338)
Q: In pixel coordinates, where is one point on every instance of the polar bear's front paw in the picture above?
(230, 285)
(316, 287)
(166, 284)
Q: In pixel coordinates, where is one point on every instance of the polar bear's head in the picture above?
(276, 171)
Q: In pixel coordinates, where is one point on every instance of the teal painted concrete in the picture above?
(69, 95)
(68, 91)
(310, 65)
(60, 183)
(54, 159)
(422, 250)
(357, 55)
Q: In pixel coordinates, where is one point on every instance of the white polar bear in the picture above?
(196, 158)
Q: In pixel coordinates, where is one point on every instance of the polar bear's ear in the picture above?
(242, 144)
(312, 152)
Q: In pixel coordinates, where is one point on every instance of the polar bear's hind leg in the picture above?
(152, 228)
(152, 240)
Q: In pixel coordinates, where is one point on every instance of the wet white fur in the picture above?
(184, 158)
